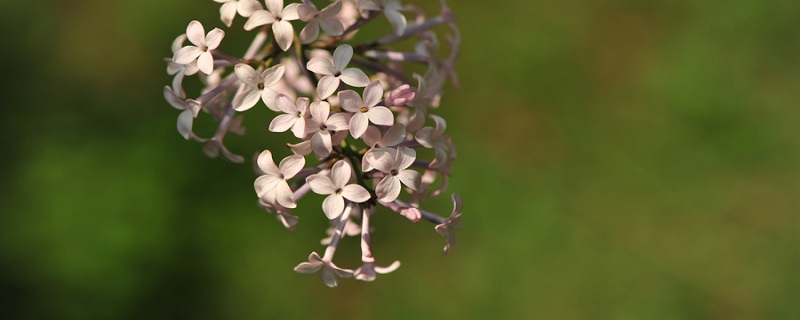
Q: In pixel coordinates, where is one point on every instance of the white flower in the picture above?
(189, 107)
(256, 86)
(335, 186)
(275, 177)
(366, 110)
(332, 71)
(201, 50)
(330, 272)
(372, 137)
(326, 19)
(391, 9)
(395, 163)
(279, 17)
(294, 116)
(434, 138)
(179, 70)
(230, 7)
(366, 272)
(447, 229)
(322, 125)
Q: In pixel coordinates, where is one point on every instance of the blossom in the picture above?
(256, 85)
(275, 177)
(391, 9)
(336, 70)
(230, 7)
(201, 50)
(322, 125)
(179, 70)
(448, 227)
(335, 186)
(189, 107)
(326, 19)
(294, 117)
(366, 110)
(366, 272)
(434, 138)
(372, 137)
(279, 16)
(400, 96)
(395, 163)
(330, 272)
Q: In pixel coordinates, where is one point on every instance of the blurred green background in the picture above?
(618, 160)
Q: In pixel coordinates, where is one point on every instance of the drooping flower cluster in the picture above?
(358, 118)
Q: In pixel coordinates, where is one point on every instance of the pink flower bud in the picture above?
(400, 96)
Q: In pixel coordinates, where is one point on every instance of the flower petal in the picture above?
(332, 9)
(185, 120)
(320, 65)
(327, 86)
(404, 157)
(358, 124)
(214, 38)
(410, 178)
(342, 56)
(333, 206)
(269, 96)
(227, 12)
(245, 98)
(381, 116)
(388, 189)
(321, 143)
(290, 12)
(257, 19)
(373, 93)
(265, 183)
(247, 74)
(381, 159)
(205, 62)
(341, 173)
(266, 164)
(284, 195)
(425, 137)
(299, 127)
(332, 26)
(247, 7)
(196, 33)
(321, 184)
(372, 136)
(282, 123)
(308, 268)
(395, 135)
(339, 121)
(397, 20)
(291, 165)
(273, 74)
(187, 54)
(306, 12)
(284, 34)
(320, 111)
(354, 77)
(274, 6)
(310, 32)
(350, 100)
(355, 193)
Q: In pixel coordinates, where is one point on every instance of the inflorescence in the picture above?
(365, 140)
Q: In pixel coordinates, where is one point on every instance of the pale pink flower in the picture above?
(391, 9)
(372, 137)
(327, 19)
(275, 177)
(189, 107)
(366, 110)
(448, 227)
(334, 184)
(279, 16)
(395, 163)
(201, 50)
(434, 138)
(333, 71)
(367, 271)
(330, 272)
(294, 116)
(179, 70)
(256, 85)
(322, 125)
(400, 96)
(230, 7)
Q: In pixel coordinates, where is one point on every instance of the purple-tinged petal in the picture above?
(390, 268)
(404, 157)
(381, 116)
(397, 20)
(269, 96)
(266, 164)
(214, 38)
(332, 9)
(187, 54)
(410, 178)
(320, 65)
(308, 268)
(284, 33)
(299, 127)
(354, 77)
(342, 56)
(350, 100)
(425, 137)
(388, 188)
(358, 124)
(321, 184)
(247, 7)
(372, 136)
(306, 12)
(247, 74)
(286, 104)
(332, 26)
(327, 86)
(227, 12)
(245, 98)
(282, 123)
(373, 94)
(273, 74)
(290, 12)
(310, 32)
(333, 206)
(302, 148)
(205, 62)
(196, 33)
(274, 6)
(257, 19)
(355, 193)
(393, 136)
(339, 121)
(265, 183)
(284, 195)
(341, 173)
(185, 120)
(320, 111)
(321, 143)
(291, 165)
(381, 159)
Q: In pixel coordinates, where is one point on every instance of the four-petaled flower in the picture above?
(201, 50)
(279, 17)
(366, 110)
(255, 86)
(395, 163)
(322, 125)
(333, 71)
(330, 272)
(326, 19)
(448, 227)
(335, 186)
(275, 177)
(230, 7)
(189, 107)
(434, 138)
(294, 116)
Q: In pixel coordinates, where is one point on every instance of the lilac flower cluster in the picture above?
(364, 141)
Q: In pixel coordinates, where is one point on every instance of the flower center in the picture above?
(260, 86)
(280, 176)
(323, 127)
(363, 109)
(299, 115)
(393, 172)
(339, 191)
